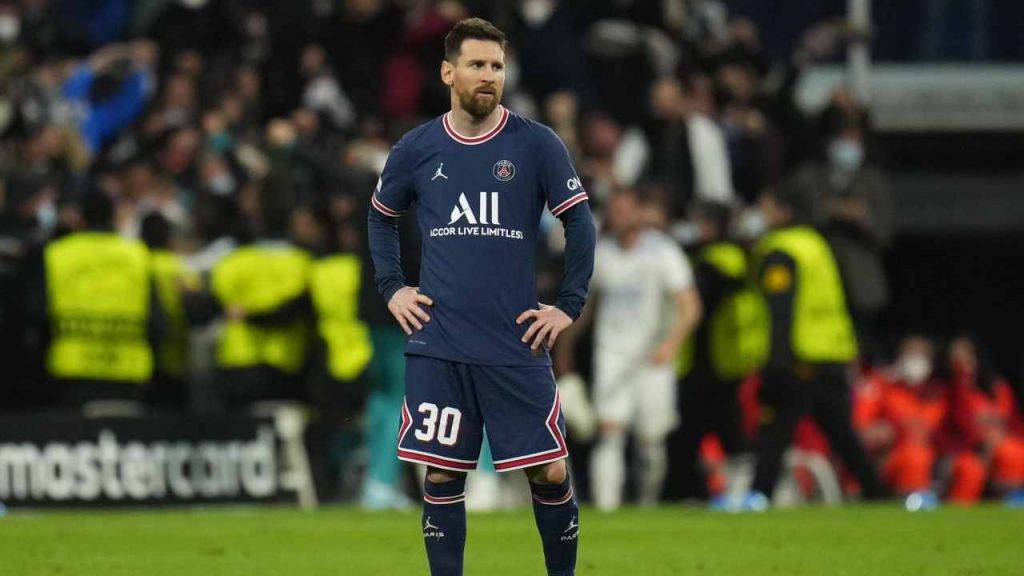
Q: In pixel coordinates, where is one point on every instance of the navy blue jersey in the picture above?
(479, 203)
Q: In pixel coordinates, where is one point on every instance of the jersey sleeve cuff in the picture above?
(568, 203)
(571, 307)
(389, 287)
(382, 208)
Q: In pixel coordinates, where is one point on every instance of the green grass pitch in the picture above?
(861, 540)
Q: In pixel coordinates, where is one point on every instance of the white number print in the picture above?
(447, 430)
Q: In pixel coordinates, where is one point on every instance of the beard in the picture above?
(478, 108)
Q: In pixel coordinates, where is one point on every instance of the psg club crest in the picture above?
(504, 170)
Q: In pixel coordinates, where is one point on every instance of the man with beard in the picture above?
(478, 339)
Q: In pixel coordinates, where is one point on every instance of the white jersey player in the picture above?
(646, 305)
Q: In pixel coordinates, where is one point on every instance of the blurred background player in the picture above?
(646, 305)
(812, 343)
(727, 346)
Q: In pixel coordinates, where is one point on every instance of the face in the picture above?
(916, 360)
(477, 77)
(963, 354)
(623, 213)
(774, 214)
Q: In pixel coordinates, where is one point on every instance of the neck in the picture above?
(467, 125)
(628, 238)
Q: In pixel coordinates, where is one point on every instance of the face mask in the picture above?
(537, 12)
(222, 184)
(220, 141)
(46, 216)
(846, 154)
(915, 369)
(10, 28)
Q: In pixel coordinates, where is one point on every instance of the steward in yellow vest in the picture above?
(172, 278)
(262, 290)
(344, 346)
(728, 345)
(812, 339)
(103, 318)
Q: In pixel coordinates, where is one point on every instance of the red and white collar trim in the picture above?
(473, 141)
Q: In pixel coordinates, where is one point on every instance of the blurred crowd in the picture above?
(236, 142)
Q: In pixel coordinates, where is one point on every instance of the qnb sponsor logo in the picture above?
(484, 219)
(574, 184)
(108, 468)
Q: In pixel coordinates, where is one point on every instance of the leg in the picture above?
(614, 403)
(442, 428)
(685, 441)
(909, 467)
(608, 466)
(444, 521)
(386, 375)
(656, 417)
(1008, 465)
(557, 515)
(653, 461)
(781, 408)
(831, 408)
(526, 430)
(968, 478)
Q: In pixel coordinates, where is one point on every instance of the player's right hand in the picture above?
(405, 307)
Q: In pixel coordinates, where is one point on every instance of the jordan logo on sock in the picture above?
(574, 527)
(431, 531)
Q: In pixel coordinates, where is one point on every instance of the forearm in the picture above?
(580, 239)
(385, 249)
(689, 311)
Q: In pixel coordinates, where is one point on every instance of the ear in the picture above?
(447, 73)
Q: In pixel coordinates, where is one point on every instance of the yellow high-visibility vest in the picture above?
(334, 287)
(738, 343)
(822, 330)
(170, 274)
(261, 278)
(98, 290)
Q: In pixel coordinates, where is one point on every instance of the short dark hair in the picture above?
(476, 28)
(717, 213)
(797, 195)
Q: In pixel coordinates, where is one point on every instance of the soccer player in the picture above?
(477, 350)
(646, 305)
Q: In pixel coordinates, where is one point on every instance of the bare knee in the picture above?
(439, 476)
(609, 428)
(550, 473)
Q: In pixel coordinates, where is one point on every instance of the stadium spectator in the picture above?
(989, 426)
(854, 210)
(901, 415)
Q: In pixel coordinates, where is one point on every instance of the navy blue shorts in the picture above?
(447, 405)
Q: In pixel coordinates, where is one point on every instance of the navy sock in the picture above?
(558, 521)
(444, 525)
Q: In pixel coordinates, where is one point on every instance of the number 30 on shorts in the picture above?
(446, 431)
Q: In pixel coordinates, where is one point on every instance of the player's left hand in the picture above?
(548, 323)
(664, 352)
